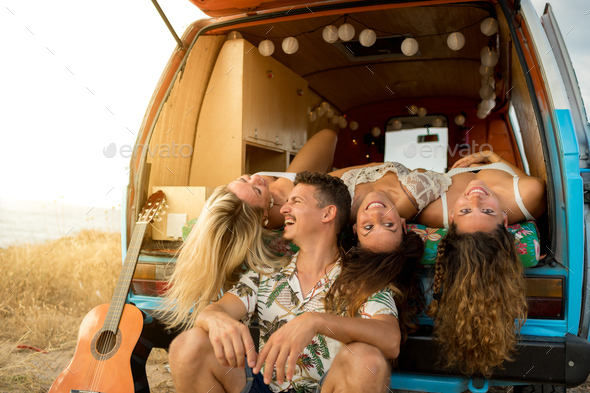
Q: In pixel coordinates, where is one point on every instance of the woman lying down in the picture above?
(384, 196)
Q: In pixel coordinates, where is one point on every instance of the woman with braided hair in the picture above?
(479, 289)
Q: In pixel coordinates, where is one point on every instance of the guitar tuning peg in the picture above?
(159, 219)
(167, 207)
(149, 203)
(162, 212)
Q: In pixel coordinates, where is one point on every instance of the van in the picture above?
(245, 89)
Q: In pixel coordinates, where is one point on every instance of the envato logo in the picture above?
(430, 150)
(164, 150)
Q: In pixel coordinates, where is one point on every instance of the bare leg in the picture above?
(195, 368)
(317, 154)
(360, 368)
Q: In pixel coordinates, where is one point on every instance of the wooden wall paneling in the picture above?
(217, 156)
(523, 106)
(177, 122)
(181, 200)
(273, 106)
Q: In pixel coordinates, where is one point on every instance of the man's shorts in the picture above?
(255, 382)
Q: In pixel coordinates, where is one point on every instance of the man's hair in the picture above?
(330, 190)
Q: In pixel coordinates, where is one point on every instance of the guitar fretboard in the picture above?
(118, 301)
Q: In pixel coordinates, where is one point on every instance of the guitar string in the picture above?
(119, 308)
(98, 366)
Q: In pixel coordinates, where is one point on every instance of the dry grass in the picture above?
(47, 290)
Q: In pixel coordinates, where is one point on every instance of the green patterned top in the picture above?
(276, 298)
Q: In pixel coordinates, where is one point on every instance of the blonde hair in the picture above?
(227, 239)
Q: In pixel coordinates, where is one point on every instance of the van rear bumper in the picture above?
(538, 360)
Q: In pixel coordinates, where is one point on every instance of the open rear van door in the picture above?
(582, 130)
(570, 81)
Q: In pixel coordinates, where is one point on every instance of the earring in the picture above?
(272, 203)
(266, 222)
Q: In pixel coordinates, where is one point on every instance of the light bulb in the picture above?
(330, 113)
(330, 34)
(334, 119)
(290, 45)
(489, 26)
(346, 32)
(354, 125)
(489, 58)
(312, 116)
(481, 113)
(460, 120)
(422, 111)
(320, 111)
(367, 37)
(325, 105)
(486, 71)
(413, 110)
(486, 92)
(397, 125)
(266, 48)
(342, 123)
(410, 47)
(376, 131)
(234, 35)
(456, 41)
(487, 105)
(437, 122)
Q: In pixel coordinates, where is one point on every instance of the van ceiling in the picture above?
(436, 71)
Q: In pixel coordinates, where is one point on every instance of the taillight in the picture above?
(545, 296)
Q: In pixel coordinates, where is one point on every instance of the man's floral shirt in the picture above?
(275, 298)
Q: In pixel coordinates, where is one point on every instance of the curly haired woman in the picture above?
(479, 289)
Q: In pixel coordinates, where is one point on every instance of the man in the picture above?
(297, 336)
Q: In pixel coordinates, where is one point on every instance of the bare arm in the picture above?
(230, 338)
(317, 154)
(285, 345)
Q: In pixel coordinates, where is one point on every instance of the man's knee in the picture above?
(189, 349)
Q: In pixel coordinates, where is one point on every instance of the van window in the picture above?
(518, 137)
(418, 142)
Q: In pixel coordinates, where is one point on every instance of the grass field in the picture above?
(47, 290)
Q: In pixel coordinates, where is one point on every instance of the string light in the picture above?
(266, 48)
(456, 41)
(290, 45)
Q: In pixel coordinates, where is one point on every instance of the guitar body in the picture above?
(102, 362)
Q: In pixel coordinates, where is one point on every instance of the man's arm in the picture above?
(381, 331)
(230, 338)
(285, 345)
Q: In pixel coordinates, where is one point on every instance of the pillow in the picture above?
(526, 238)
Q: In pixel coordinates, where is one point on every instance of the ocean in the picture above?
(24, 221)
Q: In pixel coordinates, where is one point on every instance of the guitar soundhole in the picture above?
(105, 344)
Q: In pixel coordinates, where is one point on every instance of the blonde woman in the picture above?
(229, 236)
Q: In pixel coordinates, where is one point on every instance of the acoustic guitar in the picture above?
(110, 333)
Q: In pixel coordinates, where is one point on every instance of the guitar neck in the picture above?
(118, 301)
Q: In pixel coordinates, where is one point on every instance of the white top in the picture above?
(286, 175)
(500, 166)
(425, 187)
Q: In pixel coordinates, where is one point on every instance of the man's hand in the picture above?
(475, 158)
(231, 340)
(287, 342)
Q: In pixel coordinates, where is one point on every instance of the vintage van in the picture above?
(246, 88)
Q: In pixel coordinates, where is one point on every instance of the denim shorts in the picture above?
(255, 382)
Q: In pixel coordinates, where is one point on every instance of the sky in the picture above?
(76, 77)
